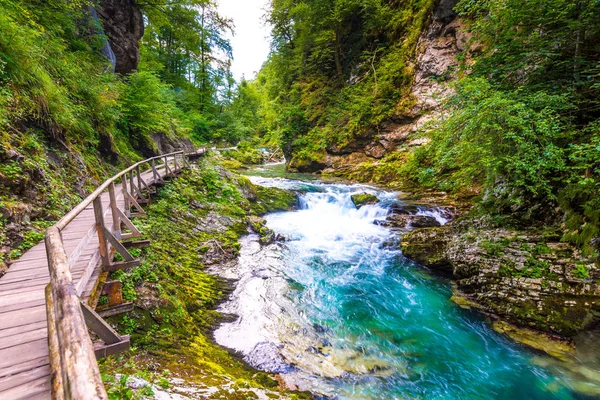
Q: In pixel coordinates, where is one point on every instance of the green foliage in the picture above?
(491, 136)
(119, 390)
(581, 271)
(523, 125)
(494, 248)
(148, 107)
(246, 153)
(337, 68)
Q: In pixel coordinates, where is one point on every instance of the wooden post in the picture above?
(175, 162)
(139, 177)
(131, 185)
(56, 371)
(114, 211)
(78, 361)
(98, 213)
(167, 169)
(154, 172)
(125, 197)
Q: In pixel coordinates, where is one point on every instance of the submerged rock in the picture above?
(363, 199)
(551, 345)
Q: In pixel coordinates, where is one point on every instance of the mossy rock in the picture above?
(428, 247)
(363, 199)
(270, 199)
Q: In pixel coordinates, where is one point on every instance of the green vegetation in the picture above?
(524, 125)
(272, 199)
(337, 68)
(581, 272)
(246, 153)
(494, 248)
(67, 122)
(195, 221)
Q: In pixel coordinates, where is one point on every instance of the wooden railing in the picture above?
(75, 372)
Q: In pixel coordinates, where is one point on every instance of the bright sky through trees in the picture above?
(251, 41)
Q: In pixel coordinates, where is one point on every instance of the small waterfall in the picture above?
(106, 50)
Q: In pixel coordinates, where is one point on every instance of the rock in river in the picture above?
(362, 199)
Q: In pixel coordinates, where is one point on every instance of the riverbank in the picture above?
(195, 223)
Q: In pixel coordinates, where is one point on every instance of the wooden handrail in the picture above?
(71, 215)
(75, 372)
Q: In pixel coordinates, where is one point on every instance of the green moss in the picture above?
(362, 199)
(558, 348)
(172, 332)
(271, 199)
(494, 248)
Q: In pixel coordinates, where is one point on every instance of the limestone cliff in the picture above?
(123, 24)
(434, 68)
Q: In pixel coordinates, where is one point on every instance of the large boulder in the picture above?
(123, 24)
(428, 247)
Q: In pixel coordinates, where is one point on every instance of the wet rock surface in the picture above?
(527, 277)
(363, 199)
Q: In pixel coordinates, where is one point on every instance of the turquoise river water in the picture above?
(337, 310)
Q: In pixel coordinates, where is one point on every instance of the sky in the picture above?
(251, 41)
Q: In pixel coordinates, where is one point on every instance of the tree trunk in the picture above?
(338, 59)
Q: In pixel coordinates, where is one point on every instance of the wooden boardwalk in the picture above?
(24, 357)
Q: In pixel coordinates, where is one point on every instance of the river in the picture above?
(337, 310)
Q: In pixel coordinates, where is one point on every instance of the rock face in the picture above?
(124, 26)
(437, 48)
(527, 277)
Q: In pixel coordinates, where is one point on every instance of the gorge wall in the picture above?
(434, 68)
(123, 24)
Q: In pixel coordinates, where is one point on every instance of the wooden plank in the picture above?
(22, 329)
(23, 337)
(25, 265)
(13, 319)
(30, 284)
(103, 351)
(31, 291)
(25, 276)
(118, 246)
(139, 244)
(92, 266)
(115, 310)
(22, 305)
(99, 326)
(24, 352)
(121, 265)
(24, 377)
(28, 391)
(7, 300)
(22, 366)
